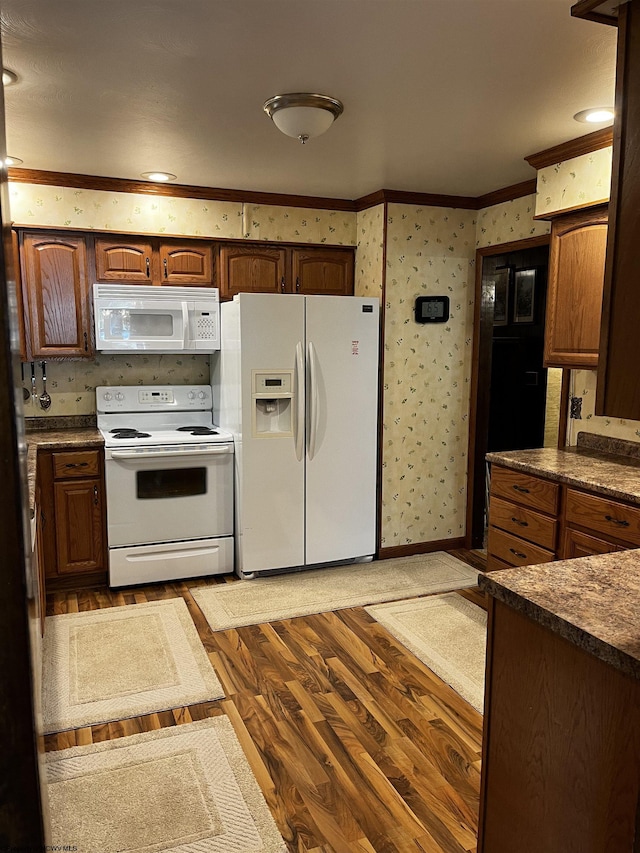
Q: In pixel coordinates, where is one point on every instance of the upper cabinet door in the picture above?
(55, 291)
(124, 261)
(251, 269)
(574, 298)
(186, 263)
(323, 271)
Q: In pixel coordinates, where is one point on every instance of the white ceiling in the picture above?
(441, 96)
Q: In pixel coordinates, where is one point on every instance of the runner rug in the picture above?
(184, 789)
(268, 599)
(120, 662)
(447, 633)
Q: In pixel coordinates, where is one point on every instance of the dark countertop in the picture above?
(585, 468)
(55, 439)
(593, 602)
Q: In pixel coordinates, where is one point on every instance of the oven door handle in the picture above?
(173, 454)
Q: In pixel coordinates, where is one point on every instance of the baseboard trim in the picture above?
(420, 548)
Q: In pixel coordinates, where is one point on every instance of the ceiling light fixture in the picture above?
(301, 115)
(595, 115)
(158, 176)
(12, 161)
(8, 77)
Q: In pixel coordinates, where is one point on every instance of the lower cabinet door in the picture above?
(577, 544)
(79, 535)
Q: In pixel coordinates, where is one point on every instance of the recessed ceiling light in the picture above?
(12, 161)
(595, 115)
(158, 176)
(8, 77)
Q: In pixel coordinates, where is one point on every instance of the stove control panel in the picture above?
(149, 398)
(152, 397)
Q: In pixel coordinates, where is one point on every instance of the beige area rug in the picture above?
(120, 662)
(447, 633)
(267, 599)
(186, 789)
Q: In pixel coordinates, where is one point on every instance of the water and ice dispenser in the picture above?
(272, 398)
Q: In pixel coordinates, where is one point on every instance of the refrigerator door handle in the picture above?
(299, 430)
(313, 401)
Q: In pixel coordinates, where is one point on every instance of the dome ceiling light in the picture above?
(8, 77)
(301, 115)
(12, 161)
(595, 115)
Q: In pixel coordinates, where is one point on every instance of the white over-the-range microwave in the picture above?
(156, 319)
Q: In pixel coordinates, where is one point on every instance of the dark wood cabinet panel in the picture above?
(56, 295)
(618, 392)
(186, 264)
(561, 745)
(574, 296)
(78, 508)
(251, 269)
(323, 271)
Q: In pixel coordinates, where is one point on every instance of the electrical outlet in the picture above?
(575, 412)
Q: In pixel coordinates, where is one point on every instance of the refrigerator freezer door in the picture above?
(271, 479)
(342, 348)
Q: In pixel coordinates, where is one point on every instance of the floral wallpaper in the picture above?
(36, 205)
(578, 182)
(583, 384)
(427, 371)
(370, 252)
(299, 225)
(72, 384)
(511, 220)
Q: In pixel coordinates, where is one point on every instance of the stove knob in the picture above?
(202, 395)
(119, 396)
(108, 396)
(192, 395)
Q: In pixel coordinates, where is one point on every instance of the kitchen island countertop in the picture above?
(585, 468)
(593, 602)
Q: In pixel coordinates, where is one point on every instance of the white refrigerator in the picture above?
(296, 382)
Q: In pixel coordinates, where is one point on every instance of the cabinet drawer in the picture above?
(515, 551)
(85, 463)
(605, 516)
(525, 489)
(523, 522)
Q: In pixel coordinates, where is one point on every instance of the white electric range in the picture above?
(169, 483)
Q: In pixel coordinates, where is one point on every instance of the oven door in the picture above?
(146, 325)
(168, 494)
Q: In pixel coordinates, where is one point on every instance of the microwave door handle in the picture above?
(185, 325)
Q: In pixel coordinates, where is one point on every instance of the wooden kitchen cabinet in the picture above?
(618, 389)
(325, 271)
(154, 261)
(575, 286)
(266, 268)
(73, 517)
(523, 519)
(56, 295)
(597, 525)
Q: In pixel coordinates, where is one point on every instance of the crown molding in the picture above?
(600, 11)
(123, 185)
(574, 148)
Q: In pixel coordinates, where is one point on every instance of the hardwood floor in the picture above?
(356, 744)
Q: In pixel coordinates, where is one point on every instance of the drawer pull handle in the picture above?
(518, 553)
(619, 521)
(76, 464)
(95, 495)
(521, 489)
(517, 521)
